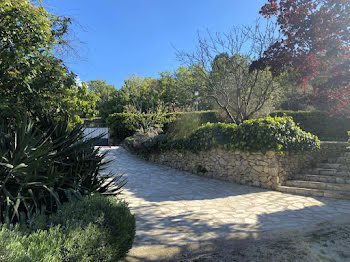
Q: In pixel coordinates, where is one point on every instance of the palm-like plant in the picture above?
(43, 164)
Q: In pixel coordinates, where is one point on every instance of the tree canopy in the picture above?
(32, 78)
(172, 91)
(315, 43)
(223, 61)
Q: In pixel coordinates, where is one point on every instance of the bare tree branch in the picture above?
(225, 59)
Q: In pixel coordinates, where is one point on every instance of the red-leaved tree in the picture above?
(316, 44)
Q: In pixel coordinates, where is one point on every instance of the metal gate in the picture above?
(92, 132)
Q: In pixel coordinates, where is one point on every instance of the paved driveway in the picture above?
(175, 208)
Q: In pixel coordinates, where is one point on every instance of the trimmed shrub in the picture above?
(111, 217)
(122, 125)
(319, 123)
(183, 124)
(96, 228)
(211, 135)
(257, 135)
(18, 245)
(211, 116)
(276, 134)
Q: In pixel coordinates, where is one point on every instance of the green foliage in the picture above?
(103, 90)
(179, 124)
(127, 123)
(80, 102)
(319, 123)
(112, 218)
(108, 98)
(177, 90)
(256, 135)
(184, 123)
(142, 93)
(114, 105)
(17, 245)
(123, 125)
(33, 80)
(96, 228)
(39, 170)
(149, 144)
(240, 93)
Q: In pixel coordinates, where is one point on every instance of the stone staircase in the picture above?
(328, 179)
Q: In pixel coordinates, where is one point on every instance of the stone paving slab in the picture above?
(175, 208)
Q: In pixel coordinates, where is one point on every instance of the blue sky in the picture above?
(120, 38)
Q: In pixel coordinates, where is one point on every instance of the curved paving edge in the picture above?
(175, 208)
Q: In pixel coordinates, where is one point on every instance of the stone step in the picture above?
(338, 160)
(318, 185)
(328, 172)
(331, 166)
(327, 179)
(314, 192)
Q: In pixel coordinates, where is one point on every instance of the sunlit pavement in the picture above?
(175, 208)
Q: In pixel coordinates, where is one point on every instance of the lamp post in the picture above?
(196, 93)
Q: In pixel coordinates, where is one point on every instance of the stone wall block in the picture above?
(258, 169)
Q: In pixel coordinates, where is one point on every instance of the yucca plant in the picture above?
(45, 163)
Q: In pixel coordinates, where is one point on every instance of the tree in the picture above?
(224, 60)
(109, 99)
(178, 89)
(140, 92)
(81, 102)
(32, 79)
(115, 104)
(103, 90)
(315, 43)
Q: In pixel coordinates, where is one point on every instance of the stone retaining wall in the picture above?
(257, 169)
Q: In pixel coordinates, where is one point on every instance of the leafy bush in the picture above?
(96, 228)
(277, 134)
(320, 124)
(183, 124)
(126, 124)
(39, 170)
(211, 135)
(143, 144)
(112, 219)
(257, 135)
(122, 125)
(17, 245)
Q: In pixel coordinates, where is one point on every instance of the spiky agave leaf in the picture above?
(43, 164)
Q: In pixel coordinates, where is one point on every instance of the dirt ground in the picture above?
(327, 242)
(331, 243)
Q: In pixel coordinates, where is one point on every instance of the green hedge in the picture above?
(94, 229)
(122, 125)
(320, 124)
(182, 124)
(257, 135)
(125, 124)
(204, 117)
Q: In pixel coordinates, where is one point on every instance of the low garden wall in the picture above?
(250, 168)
